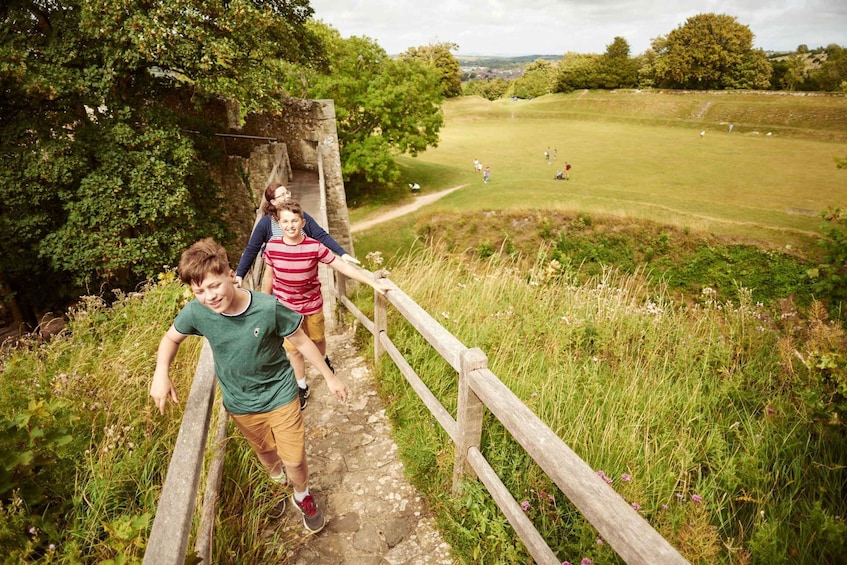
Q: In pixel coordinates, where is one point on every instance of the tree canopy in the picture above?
(440, 56)
(710, 52)
(384, 106)
(105, 176)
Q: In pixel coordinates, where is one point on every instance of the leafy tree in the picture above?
(616, 68)
(440, 56)
(710, 51)
(538, 79)
(104, 148)
(490, 89)
(384, 106)
(577, 70)
(832, 72)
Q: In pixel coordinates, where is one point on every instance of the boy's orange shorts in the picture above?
(279, 433)
(315, 327)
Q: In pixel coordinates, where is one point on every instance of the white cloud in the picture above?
(496, 27)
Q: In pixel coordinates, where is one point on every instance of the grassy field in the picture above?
(716, 417)
(640, 156)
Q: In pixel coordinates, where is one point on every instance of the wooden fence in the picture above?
(626, 531)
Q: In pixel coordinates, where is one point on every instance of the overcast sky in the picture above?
(554, 27)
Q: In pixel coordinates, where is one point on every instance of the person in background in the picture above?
(245, 330)
(292, 276)
(267, 228)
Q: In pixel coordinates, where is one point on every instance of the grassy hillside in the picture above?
(640, 156)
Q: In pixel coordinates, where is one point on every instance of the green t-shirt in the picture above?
(250, 363)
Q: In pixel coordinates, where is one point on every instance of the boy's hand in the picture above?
(337, 388)
(381, 286)
(161, 389)
(350, 259)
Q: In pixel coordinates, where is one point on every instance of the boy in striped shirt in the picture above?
(292, 276)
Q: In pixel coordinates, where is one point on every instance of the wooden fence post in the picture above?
(380, 319)
(468, 416)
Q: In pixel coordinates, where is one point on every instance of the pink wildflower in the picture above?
(696, 498)
(603, 476)
(599, 541)
(586, 561)
(636, 507)
(525, 505)
(664, 506)
(566, 563)
(626, 478)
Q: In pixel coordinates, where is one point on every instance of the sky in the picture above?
(555, 27)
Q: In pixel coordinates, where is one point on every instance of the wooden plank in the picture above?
(525, 529)
(205, 531)
(618, 523)
(469, 412)
(435, 407)
(447, 345)
(172, 525)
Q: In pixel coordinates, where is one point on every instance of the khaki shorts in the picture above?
(278, 433)
(315, 327)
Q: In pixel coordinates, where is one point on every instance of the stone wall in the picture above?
(303, 126)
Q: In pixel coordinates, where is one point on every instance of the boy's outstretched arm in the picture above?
(352, 272)
(162, 388)
(310, 351)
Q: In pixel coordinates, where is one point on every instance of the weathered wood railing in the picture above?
(626, 531)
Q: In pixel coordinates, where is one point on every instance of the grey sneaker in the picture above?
(313, 518)
(278, 510)
(304, 394)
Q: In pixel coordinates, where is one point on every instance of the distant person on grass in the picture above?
(245, 330)
(267, 228)
(486, 176)
(292, 276)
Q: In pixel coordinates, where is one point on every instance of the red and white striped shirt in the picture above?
(295, 269)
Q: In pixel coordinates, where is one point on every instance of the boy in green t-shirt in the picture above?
(245, 331)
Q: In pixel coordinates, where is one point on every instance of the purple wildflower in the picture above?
(603, 476)
(664, 506)
(626, 478)
(636, 507)
(599, 541)
(525, 505)
(697, 498)
(586, 561)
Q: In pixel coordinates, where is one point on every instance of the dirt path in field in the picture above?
(419, 202)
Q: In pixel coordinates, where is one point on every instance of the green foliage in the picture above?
(830, 277)
(384, 106)
(490, 89)
(84, 453)
(710, 52)
(102, 181)
(687, 407)
(616, 68)
(577, 71)
(537, 80)
(440, 56)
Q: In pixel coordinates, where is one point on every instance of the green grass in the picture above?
(686, 399)
(658, 335)
(640, 156)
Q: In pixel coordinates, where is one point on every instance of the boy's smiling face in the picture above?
(216, 292)
(292, 226)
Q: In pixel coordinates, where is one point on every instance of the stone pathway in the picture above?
(374, 516)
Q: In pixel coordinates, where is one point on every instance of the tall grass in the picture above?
(684, 408)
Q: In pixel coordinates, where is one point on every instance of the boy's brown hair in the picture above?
(292, 206)
(206, 257)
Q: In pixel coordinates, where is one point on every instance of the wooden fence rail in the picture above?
(626, 531)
